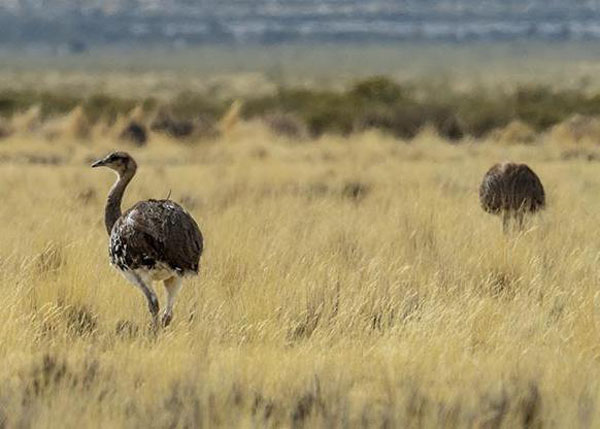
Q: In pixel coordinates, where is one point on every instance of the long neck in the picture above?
(112, 211)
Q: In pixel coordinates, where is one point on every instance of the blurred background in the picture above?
(331, 66)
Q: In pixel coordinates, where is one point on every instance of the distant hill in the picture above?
(81, 23)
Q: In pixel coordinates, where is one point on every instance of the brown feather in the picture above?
(157, 232)
(511, 187)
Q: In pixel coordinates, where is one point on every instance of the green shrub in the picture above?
(193, 105)
(379, 90)
(103, 106)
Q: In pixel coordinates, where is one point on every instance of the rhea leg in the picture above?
(144, 284)
(172, 286)
(506, 221)
(520, 219)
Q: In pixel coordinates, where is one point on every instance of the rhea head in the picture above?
(120, 162)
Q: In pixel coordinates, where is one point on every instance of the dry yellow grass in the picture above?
(515, 132)
(345, 283)
(578, 129)
(231, 117)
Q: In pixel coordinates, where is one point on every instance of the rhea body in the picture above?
(511, 190)
(155, 240)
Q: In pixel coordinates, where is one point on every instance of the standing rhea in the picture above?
(155, 240)
(512, 190)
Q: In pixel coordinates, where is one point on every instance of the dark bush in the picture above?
(372, 103)
(190, 106)
(103, 106)
(378, 89)
(450, 127)
(5, 128)
(541, 107)
(480, 113)
(321, 111)
(287, 125)
(134, 133)
(12, 101)
(166, 124)
(403, 121)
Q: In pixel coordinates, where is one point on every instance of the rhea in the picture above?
(512, 191)
(155, 240)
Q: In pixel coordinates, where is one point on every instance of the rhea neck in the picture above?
(112, 211)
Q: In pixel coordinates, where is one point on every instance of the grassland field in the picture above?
(346, 282)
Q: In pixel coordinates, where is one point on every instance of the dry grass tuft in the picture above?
(516, 132)
(287, 125)
(578, 129)
(50, 259)
(28, 121)
(231, 117)
(73, 125)
(80, 320)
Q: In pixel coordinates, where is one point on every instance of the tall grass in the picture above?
(344, 283)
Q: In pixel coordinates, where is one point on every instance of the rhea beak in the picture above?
(98, 163)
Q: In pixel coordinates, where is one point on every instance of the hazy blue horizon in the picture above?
(77, 25)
